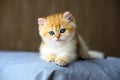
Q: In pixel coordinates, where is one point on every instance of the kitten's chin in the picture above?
(58, 40)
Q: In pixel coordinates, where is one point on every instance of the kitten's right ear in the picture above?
(41, 21)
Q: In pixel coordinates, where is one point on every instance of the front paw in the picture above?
(49, 57)
(61, 61)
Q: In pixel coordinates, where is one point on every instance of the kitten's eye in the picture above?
(51, 33)
(62, 30)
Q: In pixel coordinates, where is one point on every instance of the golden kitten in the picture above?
(60, 42)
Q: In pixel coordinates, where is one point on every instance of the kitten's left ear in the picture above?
(41, 21)
(68, 16)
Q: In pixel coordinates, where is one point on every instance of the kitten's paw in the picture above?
(61, 61)
(50, 57)
(85, 56)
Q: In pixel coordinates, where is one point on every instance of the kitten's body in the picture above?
(60, 42)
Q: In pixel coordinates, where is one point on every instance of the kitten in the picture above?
(60, 42)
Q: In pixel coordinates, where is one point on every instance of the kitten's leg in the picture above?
(61, 61)
(82, 48)
(49, 57)
(65, 59)
(84, 55)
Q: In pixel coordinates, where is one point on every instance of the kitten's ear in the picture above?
(41, 21)
(68, 16)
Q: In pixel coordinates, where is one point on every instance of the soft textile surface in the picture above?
(28, 66)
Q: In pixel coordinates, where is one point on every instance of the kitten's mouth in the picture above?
(58, 39)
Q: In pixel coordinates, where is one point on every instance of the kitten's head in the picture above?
(57, 27)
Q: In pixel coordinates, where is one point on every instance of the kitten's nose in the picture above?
(58, 36)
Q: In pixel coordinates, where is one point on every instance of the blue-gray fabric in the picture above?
(28, 66)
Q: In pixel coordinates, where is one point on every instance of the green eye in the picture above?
(51, 33)
(62, 30)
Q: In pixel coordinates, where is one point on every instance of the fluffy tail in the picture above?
(96, 55)
(85, 53)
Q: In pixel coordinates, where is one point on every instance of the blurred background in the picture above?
(98, 22)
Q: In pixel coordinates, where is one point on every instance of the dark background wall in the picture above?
(98, 22)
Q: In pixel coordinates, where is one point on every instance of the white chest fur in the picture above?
(58, 50)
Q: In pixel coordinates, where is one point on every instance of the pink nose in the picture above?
(57, 37)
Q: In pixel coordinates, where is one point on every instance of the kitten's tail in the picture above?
(96, 55)
(88, 54)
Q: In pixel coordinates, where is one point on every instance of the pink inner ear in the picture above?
(68, 16)
(41, 21)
